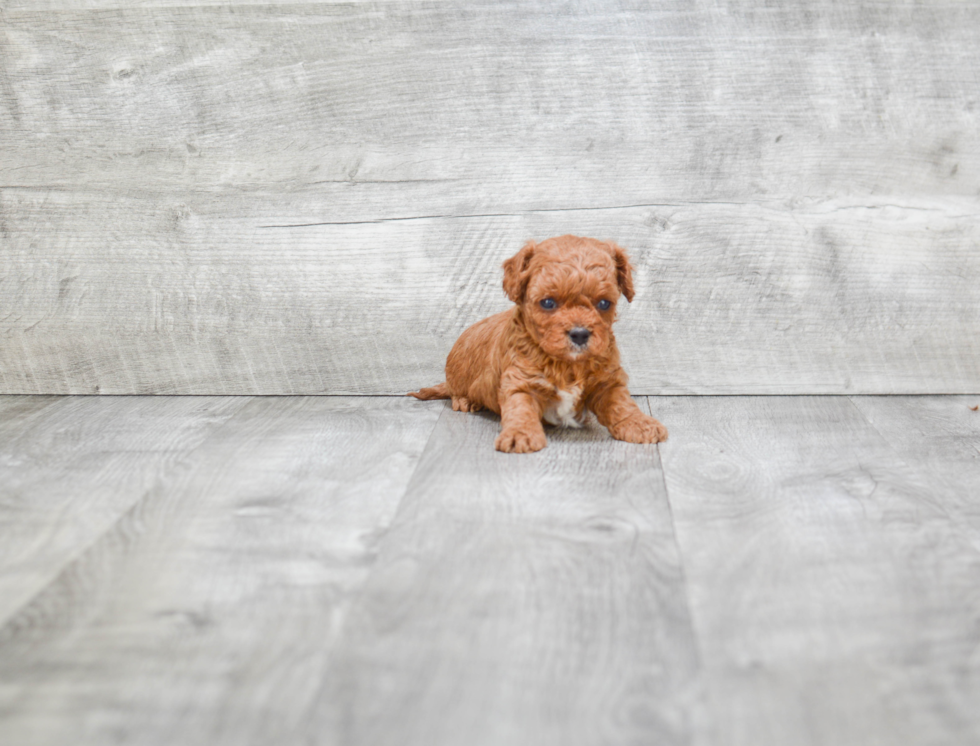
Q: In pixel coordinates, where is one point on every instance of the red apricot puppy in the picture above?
(553, 354)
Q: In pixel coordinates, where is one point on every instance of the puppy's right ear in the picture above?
(516, 272)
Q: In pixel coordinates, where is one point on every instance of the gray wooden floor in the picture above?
(357, 570)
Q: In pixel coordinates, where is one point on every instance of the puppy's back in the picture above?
(472, 368)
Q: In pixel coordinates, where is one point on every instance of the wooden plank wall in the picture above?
(272, 198)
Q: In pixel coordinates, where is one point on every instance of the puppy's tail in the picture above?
(435, 392)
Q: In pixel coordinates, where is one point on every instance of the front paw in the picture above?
(518, 441)
(639, 428)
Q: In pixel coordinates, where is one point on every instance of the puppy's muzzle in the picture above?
(579, 336)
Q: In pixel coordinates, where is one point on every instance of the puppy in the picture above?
(553, 354)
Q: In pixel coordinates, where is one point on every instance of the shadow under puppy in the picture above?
(553, 354)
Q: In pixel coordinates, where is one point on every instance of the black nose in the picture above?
(579, 336)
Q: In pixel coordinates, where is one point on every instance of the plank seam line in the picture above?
(522, 213)
(8, 624)
(503, 214)
(7, 620)
(698, 651)
(428, 445)
(356, 594)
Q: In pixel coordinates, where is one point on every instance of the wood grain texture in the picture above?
(300, 570)
(152, 294)
(75, 5)
(808, 184)
(834, 596)
(540, 105)
(205, 614)
(71, 467)
(530, 599)
(940, 436)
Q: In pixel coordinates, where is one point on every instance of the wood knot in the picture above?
(124, 71)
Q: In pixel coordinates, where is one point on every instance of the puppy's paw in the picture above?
(639, 428)
(517, 441)
(462, 404)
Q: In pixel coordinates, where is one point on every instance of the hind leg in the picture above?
(462, 404)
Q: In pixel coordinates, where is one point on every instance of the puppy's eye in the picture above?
(603, 305)
(548, 304)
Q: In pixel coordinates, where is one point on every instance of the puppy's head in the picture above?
(568, 288)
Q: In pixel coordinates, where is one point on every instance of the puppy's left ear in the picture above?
(516, 274)
(624, 271)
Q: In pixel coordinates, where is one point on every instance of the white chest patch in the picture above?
(562, 412)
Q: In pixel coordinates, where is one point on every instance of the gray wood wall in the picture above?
(267, 198)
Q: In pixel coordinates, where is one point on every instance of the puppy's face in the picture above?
(568, 288)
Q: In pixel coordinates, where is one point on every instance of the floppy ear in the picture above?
(624, 271)
(516, 274)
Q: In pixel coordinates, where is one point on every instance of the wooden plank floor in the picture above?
(367, 570)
